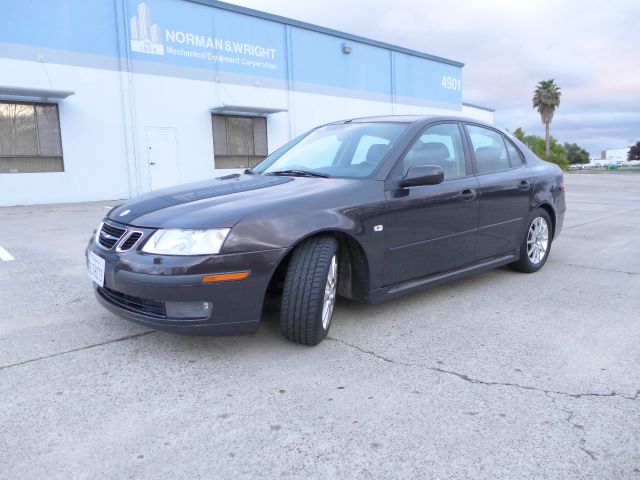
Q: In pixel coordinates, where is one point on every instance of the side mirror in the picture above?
(418, 175)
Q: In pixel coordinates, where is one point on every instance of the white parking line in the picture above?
(6, 256)
(107, 207)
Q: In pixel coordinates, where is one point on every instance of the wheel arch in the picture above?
(552, 214)
(353, 276)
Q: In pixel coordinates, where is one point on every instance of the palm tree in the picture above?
(546, 98)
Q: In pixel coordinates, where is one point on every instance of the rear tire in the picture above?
(309, 291)
(536, 244)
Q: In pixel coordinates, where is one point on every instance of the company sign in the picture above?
(205, 37)
(145, 36)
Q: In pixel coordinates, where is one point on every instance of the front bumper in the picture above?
(136, 286)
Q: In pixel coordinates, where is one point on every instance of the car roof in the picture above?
(412, 119)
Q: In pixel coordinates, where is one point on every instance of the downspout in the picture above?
(289, 72)
(128, 105)
(392, 59)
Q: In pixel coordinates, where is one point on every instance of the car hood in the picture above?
(221, 202)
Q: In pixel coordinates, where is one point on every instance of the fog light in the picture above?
(188, 309)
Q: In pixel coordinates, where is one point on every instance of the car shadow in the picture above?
(348, 314)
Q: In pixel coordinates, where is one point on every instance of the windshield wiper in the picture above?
(299, 173)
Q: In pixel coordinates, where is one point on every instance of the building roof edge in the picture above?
(328, 31)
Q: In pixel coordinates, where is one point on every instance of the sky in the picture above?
(590, 48)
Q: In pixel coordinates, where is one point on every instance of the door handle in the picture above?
(524, 185)
(468, 194)
(152, 163)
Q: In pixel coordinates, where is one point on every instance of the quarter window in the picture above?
(515, 157)
(491, 153)
(439, 145)
(30, 138)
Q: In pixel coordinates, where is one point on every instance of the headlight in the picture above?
(186, 242)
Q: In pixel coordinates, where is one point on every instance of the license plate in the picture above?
(96, 269)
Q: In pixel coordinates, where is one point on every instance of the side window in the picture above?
(491, 153)
(515, 157)
(439, 145)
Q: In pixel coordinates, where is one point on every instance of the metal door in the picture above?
(162, 156)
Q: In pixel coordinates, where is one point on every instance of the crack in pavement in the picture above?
(469, 379)
(570, 415)
(548, 393)
(107, 342)
(598, 268)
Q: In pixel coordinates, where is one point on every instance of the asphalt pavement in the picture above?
(501, 375)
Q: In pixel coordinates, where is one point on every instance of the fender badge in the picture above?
(125, 213)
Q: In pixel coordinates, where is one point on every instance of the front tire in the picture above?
(536, 244)
(309, 291)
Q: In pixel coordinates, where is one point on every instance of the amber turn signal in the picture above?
(225, 277)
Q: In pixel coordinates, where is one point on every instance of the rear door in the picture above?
(431, 228)
(505, 190)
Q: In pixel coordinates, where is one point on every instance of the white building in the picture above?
(614, 155)
(110, 99)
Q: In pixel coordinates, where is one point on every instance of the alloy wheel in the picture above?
(537, 240)
(330, 293)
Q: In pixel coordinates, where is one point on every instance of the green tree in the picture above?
(575, 154)
(558, 154)
(634, 152)
(538, 145)
(546, 98)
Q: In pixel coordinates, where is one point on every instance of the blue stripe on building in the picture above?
(211, 40)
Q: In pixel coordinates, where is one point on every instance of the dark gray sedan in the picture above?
(368, 209)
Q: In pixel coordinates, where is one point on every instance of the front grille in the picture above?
(130, 241)
(109, 235)
(144, 306)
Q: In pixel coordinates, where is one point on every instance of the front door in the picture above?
(432, 228)
(162, 156)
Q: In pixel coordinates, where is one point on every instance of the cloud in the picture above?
(590, 48)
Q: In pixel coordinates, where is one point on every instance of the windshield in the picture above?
(346, 150)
